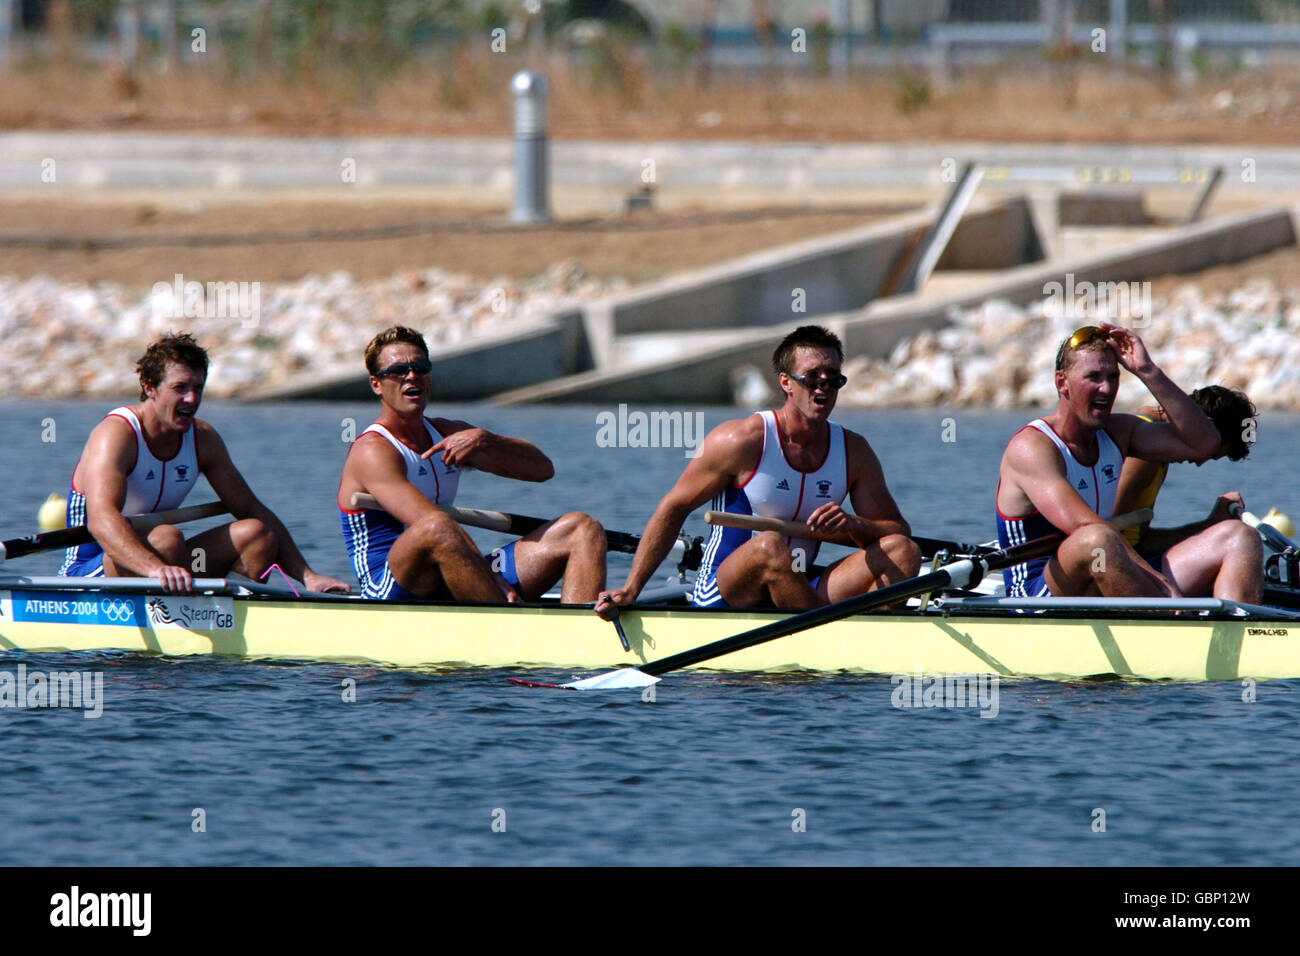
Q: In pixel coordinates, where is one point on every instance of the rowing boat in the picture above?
(961, 633)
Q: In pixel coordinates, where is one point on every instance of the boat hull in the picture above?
(1046, 645)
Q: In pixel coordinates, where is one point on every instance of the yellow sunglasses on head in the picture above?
(1084, 335)
(1080, 337)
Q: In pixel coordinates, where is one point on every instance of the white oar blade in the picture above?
(628, 678)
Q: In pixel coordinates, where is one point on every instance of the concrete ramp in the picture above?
(703, 372)
(530, 353)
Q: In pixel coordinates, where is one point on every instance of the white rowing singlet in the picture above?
(775, 489)
(153, 485)
(1096, 484)
(436, 480)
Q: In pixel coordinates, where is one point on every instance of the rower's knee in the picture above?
(168, 541)
(580, 532)
(437, 533)
(773, 553)
(902, 552)
(1092, 537)
(1243, 541)
(1094, 548)
(253, 537)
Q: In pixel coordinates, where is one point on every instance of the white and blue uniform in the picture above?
(775, 489)
(1096, 485)
(153, 485)
(369, 534)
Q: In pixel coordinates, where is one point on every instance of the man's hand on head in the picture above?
(1129, 349)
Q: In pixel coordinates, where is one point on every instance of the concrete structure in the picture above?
(704, 373)
(706, 308)
(529, 354)
(691, 337)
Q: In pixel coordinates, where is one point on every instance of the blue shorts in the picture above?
(1022, 581)
(387, 588)
(717, 602)
(91, 567)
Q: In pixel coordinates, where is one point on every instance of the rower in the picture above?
(410, 463)
(1062, 473)
(1201, 544)
(793, 464)
(145, 458)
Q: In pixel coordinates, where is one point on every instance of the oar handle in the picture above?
(80, 534)
(797, 529)
(788, 529)
(684, 550)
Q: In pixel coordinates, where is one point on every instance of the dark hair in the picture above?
(176, 348)
(811, 336)
(390, 336)
(1230, 410)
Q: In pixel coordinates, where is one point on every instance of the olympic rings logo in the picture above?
(117, 610)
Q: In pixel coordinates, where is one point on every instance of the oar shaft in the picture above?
(797, 529)
(80, 534)
(520, 525)
(948, 576)
(1276, 539)
(958, 574)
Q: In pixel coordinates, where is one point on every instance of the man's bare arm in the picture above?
(463, 444)
(109, 457)
(731, 449)
(876, 514)
(381, 472)
(1036, 467)
(235, 494)
(1187, 436)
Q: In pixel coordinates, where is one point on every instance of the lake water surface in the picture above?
(464, 768)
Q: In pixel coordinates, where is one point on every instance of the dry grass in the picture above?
(620, 95)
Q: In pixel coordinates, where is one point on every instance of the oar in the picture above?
(68, 537)
(796, 529)
(958, 574)
(1276, 539)
(684, 551)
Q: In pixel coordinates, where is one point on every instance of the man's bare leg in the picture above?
(889, 560)
(435, 554)
(1096, 559)
(247, 547)
(166, 541)
(761, 572)
(1225, 561)
(573, 547)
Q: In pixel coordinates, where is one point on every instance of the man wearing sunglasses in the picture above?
(412, 549)
(1062, 472)
(145, 458)
(794, 464)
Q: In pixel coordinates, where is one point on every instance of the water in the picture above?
(716, 770)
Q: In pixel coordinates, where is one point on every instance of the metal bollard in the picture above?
(531, 175)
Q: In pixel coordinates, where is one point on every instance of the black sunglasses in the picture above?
(830, 383)
(399, 369)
